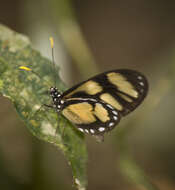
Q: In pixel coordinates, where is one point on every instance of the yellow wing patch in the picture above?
(126, 98)
(111, 100)
(83, 113)
(80, 113)
(101, 113)
(89, 87)
(122, 84)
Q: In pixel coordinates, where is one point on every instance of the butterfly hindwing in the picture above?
(123, 89)
(90, 115)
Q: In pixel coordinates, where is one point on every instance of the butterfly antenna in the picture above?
(29, 69)
(53, 60)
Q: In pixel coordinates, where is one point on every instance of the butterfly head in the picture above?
(57, 99)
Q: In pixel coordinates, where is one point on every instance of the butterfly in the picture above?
(96, 106)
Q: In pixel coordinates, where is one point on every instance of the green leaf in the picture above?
(28, 92)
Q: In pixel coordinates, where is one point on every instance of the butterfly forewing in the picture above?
(122, 89)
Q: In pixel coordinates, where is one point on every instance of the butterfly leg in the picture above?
(38, 110)
(48, 106)
(43, 105)
(33, 114)
(58, 127)
(63, 132)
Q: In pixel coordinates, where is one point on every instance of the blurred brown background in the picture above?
(120, 34)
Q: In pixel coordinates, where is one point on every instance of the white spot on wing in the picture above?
(80, 129)
(139, 77)
(101, 129)
(141, 83)
(62, 101)
(93, 100)
(86, 131)
(115, 117)
(111, 124)
(92, 131)
(109, 106)
(115, 113)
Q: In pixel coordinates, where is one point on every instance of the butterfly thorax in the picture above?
(56, 98)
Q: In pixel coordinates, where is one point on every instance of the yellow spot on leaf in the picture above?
(34, 123)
